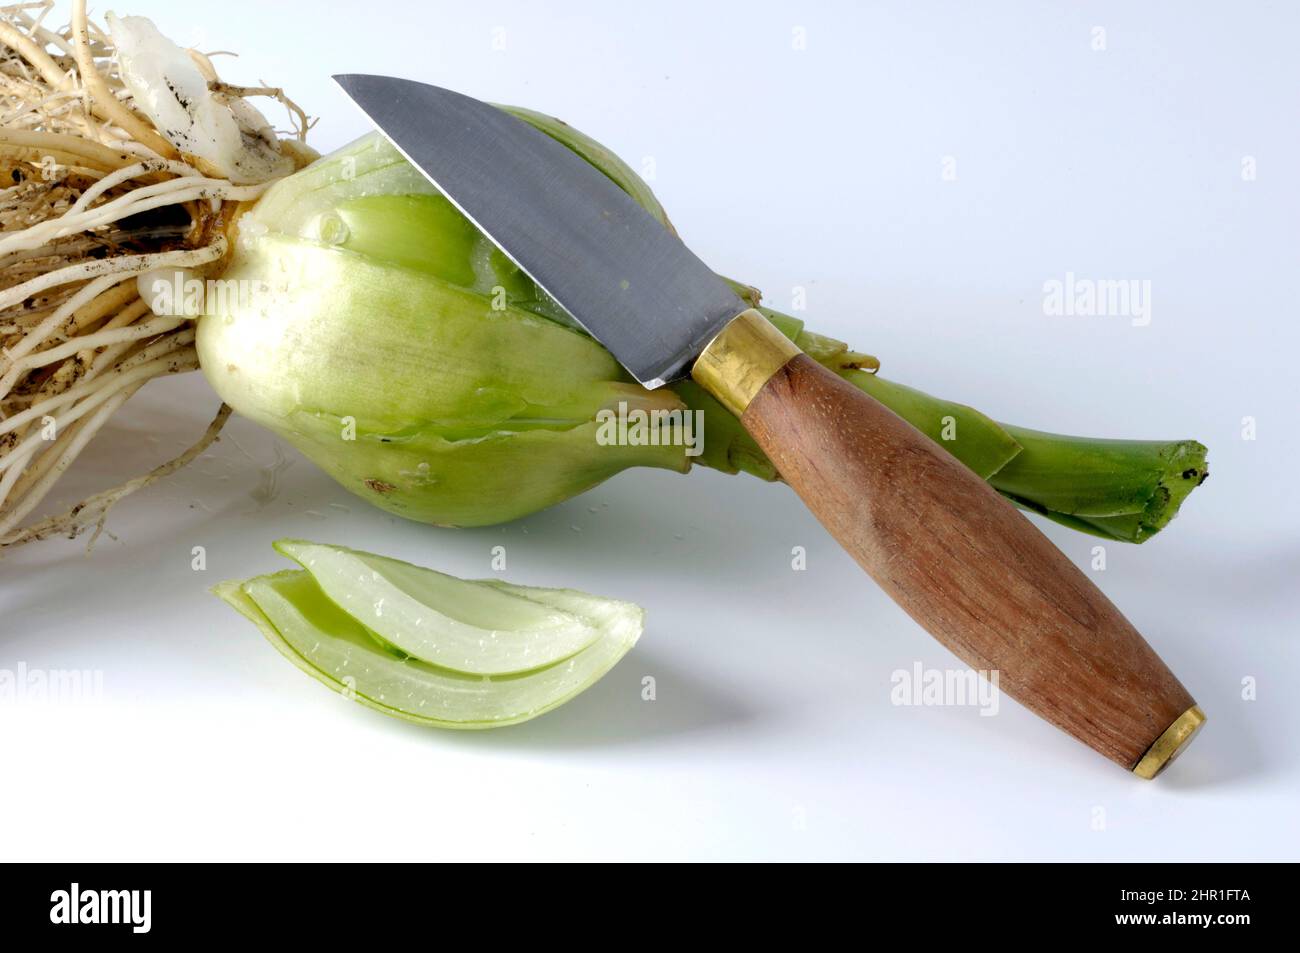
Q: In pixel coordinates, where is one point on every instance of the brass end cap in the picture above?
(1170, 744)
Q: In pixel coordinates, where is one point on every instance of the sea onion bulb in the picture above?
(389, 344)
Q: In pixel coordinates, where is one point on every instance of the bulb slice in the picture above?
(318, 635)
(440, 619)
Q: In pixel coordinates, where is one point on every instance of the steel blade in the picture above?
(623, 276)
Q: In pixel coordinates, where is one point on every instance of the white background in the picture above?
(773, 735)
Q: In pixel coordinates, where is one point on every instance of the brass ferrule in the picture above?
(1170, 744)
(741, 358)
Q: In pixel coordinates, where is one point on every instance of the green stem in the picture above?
(1117, 489)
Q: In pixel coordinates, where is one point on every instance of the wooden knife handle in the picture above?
(953, 553)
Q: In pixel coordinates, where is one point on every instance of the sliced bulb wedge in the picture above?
(449, 622)
(333, 647)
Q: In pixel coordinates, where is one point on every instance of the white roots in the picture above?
(95, 196)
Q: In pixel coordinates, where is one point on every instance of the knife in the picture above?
(953, 553)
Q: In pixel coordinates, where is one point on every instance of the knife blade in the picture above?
(955, 555)
(639, 290)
